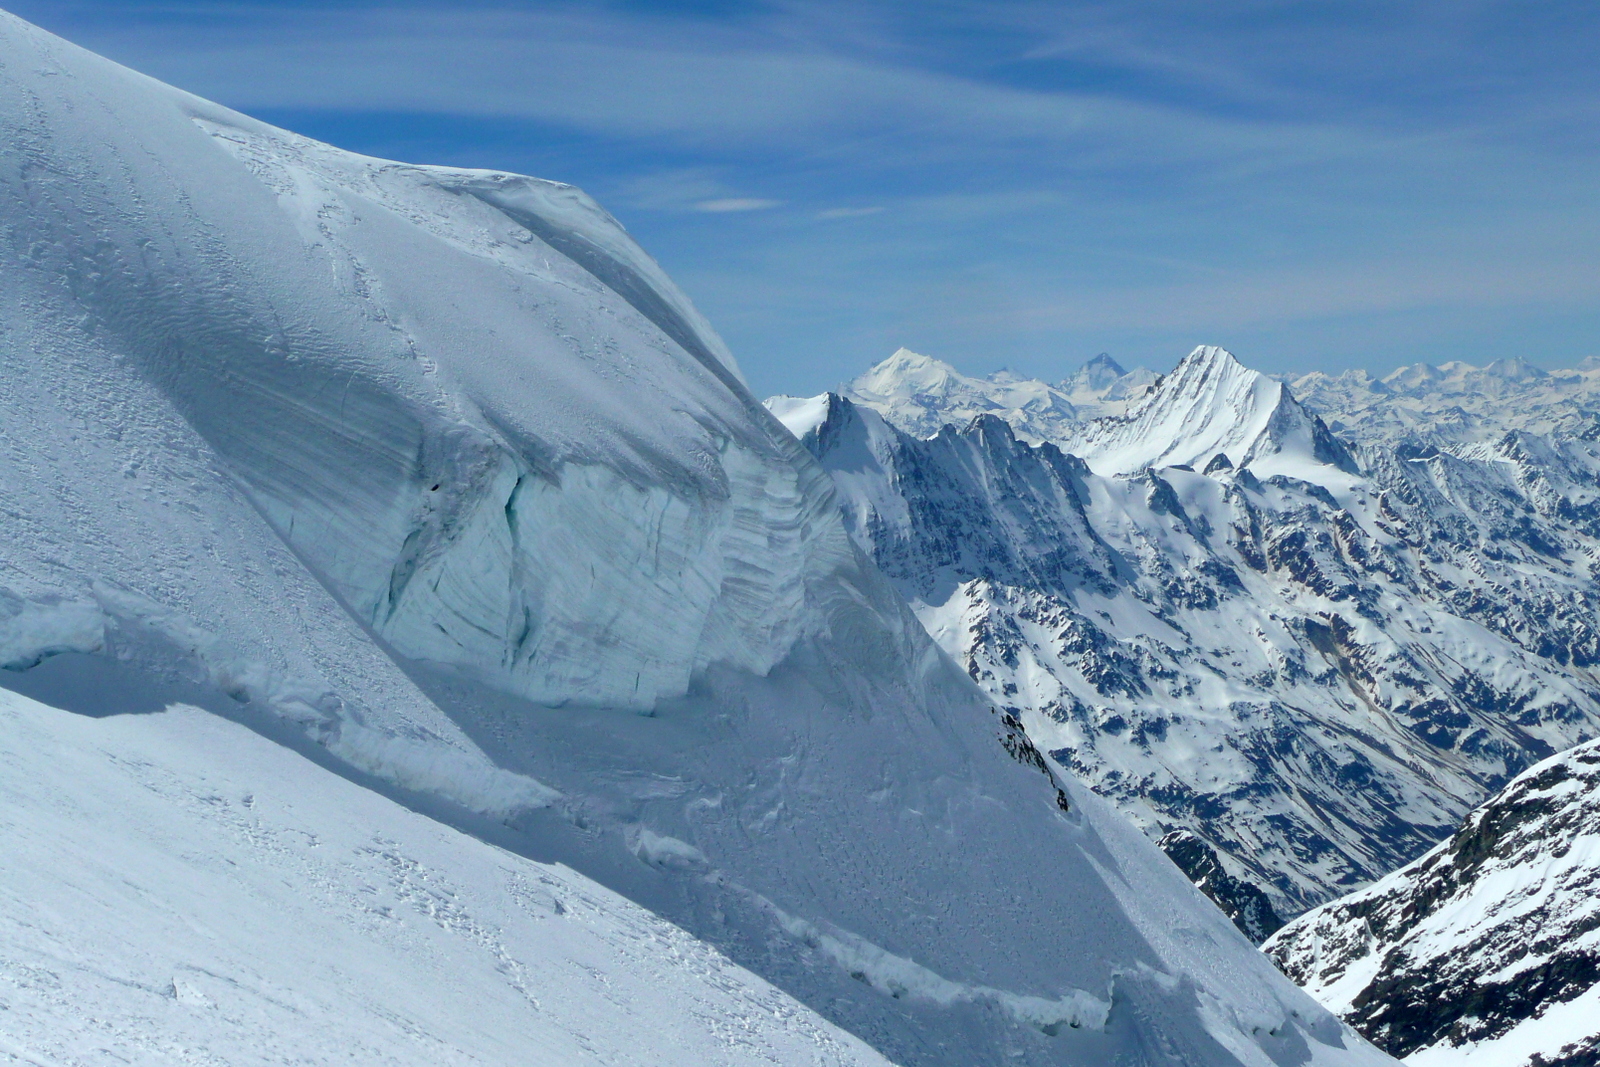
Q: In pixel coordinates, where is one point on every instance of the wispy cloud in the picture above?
(730, 204)
(1047, 178)
(848, 212)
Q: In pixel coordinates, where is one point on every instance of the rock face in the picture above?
(435, 475)
(1239, 900)
(1486, 949)
(1315, 657)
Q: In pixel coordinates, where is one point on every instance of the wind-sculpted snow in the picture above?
(1317, 678)
(1484, 950)
(180, 890)
(433, 470)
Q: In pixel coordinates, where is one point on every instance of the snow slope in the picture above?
(1483, 951)
(178, 889)
(435, 469)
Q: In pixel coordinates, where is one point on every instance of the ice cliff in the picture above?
(434, 472)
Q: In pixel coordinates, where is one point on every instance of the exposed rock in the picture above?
(1488, 945)
(1239, 900)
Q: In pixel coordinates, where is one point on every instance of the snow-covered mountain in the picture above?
(1484, 951)
(1456, 403)
(1314, 659)
(433, 474)
(920, 394)
(1210, 412)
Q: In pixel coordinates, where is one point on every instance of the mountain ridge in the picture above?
(432, 474)
(1484, 949)
(1369, 648)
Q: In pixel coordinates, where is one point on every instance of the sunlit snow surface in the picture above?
(436, 470)
(177, 889)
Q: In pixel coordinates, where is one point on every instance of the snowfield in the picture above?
(434, 475)
(178, 889)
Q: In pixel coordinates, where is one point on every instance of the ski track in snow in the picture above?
(179, 890)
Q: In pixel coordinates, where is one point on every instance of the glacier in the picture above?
(433, 477)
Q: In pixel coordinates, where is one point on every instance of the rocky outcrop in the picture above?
(1239, 900)
(1488, 946)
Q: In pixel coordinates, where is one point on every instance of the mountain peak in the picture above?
(920, 394)
(905, 372)
(1104, 362)
(1211, 404)
(1094, 377)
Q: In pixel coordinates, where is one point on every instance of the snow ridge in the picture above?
(1209, 408)
(432, 474)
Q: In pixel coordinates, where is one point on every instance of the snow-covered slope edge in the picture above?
(178, 889)
(504, 454)
(1484, 950)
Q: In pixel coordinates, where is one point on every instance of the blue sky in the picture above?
(1315, 185)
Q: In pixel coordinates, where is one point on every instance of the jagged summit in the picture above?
(1210, 404)
(1095, 376)
(1120, 421)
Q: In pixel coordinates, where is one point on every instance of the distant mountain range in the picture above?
(1314, 649)
(1456, 403)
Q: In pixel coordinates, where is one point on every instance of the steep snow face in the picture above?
(179, 889)
(1483, 951)
(436, 467)
(1209, 406)
(409, 401)
(1317, 683)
